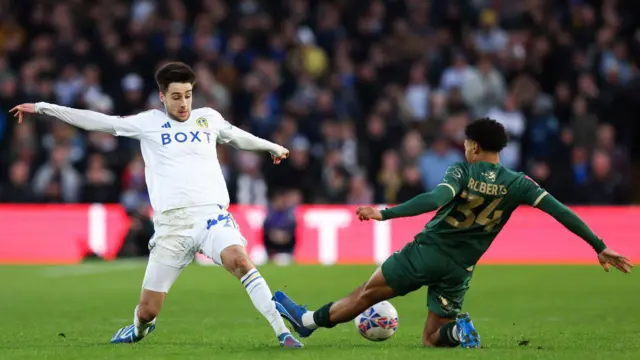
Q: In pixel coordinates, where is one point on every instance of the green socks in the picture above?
(448, 336)
(321, 316)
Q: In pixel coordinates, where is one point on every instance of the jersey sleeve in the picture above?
(129, 126)
(242, 140)
(225, 133)
(456, 177)
(530, 192)
(133, 126)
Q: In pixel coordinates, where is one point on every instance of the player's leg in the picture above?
(444, 331)
(157, 281)
(305, 322)
(396, 277)
(236, 260)
(226, 246)
(433, 334)
(446, 326)
(346, 309)
(168, 256)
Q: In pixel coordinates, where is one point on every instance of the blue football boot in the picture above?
(293, 312)
(127, 335)
(467, 333)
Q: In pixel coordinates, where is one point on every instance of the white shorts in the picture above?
(182, 233)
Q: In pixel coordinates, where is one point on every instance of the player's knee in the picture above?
(243, 265)
(236, 261)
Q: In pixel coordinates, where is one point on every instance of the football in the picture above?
(379, 322)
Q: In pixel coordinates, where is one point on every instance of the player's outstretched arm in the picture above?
(243, 140)
(420, 204)
(84, 119)
(573, 223)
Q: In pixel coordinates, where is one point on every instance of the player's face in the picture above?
(470, 150)
(177, 100)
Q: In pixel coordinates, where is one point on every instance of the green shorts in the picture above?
(418, 265)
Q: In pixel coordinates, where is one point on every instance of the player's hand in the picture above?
(609, 257)
(283, 155)
(20, 110)
(368, 213)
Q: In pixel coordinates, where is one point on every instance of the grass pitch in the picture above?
(543, 312)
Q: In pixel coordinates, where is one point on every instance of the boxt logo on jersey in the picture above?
(182, 137)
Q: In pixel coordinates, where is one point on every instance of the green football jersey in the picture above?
(485, 196)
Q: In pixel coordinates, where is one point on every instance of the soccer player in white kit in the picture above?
(188, 193)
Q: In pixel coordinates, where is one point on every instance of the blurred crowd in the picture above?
(371, 96)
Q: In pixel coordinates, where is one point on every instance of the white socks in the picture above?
(260, 295)
(308, 322)
(141, 329)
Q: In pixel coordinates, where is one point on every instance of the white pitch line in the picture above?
(91, 269)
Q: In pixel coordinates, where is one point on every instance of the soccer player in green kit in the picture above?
(475, 200)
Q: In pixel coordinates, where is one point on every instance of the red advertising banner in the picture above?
(60, 234)
(64, 234)
(333, 234)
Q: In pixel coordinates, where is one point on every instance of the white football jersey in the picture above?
(181, 161)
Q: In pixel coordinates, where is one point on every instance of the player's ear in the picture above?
(476, 148)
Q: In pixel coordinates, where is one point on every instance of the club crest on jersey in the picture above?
(490, 176)
(202, 122)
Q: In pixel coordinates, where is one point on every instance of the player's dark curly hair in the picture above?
(174, 72)
(488, 133)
